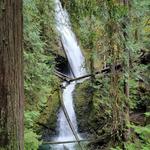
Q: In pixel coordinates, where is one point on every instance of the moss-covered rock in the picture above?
(93, 107)
(48, 118)
(83, 104)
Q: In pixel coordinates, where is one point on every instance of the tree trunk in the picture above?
(126, 82)
(11, 75)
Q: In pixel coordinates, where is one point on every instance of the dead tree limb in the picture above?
(69, 121)
(68, 79)
(65, 142)
(62, 76)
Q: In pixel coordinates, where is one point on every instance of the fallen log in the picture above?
(63, 76)
(68, 79)
(65, 142)
(106, 70)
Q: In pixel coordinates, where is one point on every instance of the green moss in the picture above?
(83, 104)
(93, 107)
(48, 117)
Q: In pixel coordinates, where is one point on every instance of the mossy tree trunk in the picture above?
(120, 106)
(126, 71)
(11, 75)
(112, 29)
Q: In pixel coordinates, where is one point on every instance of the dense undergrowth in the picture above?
(41, 97)
(104, 35)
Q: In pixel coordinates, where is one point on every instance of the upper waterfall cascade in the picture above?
(72, 49)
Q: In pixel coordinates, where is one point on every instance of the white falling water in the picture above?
(69, 41)
(76, 61)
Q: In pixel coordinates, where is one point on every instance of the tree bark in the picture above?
(11, 75)
(126, 82)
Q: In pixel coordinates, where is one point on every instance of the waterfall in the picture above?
(72, 49)
(77, 69)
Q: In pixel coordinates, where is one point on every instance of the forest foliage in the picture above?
(39, 79)
(100, 26)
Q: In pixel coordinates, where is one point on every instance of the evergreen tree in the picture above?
(11, 75)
